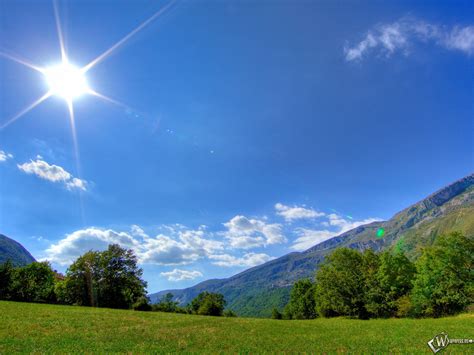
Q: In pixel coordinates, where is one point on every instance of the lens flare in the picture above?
(380, 232)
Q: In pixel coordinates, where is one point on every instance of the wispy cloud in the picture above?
(53, 173)
(292, 213)
(402, 35)
(181, 275)
(4, 156)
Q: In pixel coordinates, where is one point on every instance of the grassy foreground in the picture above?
(26, 327)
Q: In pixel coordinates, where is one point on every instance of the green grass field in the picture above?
(38, 328)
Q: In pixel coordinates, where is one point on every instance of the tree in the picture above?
(34, 283)
(81, 283)
(120, 284)
(208, 303)
(142, 304)
(444, 284)
(340, 285)
(229, 313)
(302, 303)
(166, 304)
(276, 314)
(7, 272)
(104, 279)
(389, 276)
(373, 295)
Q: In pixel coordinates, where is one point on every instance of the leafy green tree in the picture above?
(208, 303)
(229, 313)
(389, 276)
(166, 304)
(194, 305)
(61, 292)
(302, 303)
(340, 285)
(34, 283)
(81, 285)
(105, 279)
(276, 314)
(373, 295)
(444, 284)
(142, 304)
(121, 283)
(7, 274)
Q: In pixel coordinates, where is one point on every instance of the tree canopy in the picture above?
(104, 279)
(208, 303)
(445, 280)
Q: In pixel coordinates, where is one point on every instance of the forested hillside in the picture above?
(256, 291)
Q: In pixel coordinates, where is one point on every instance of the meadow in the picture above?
(42, 328)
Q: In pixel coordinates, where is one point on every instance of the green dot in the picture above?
(380, 232)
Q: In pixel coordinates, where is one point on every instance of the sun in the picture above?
(67, 81)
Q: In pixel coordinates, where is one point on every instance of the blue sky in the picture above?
(245, 130)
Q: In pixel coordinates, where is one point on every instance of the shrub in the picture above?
(142, 304)
(229, 313)
(276, 314)
(208, 304)
(404, 307)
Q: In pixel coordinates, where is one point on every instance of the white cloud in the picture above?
(53, 173)
(76, 183)
(461, 38)
(248, 260)
(345, 225)
(77, 243)
(181, 275)
(296, 212)
(138, 231)
(245, 233)
(4, 156)
(310, 237)
(402, 34)
(179, 247)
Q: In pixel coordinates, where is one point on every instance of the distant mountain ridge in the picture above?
(254, 292)
(14, 251)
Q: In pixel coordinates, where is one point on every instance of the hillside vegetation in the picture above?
(40, 328)
(14, 251)
(256, 291)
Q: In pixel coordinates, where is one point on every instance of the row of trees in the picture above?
(32, 283)
(100, 279)
(369, 285)
(110, 278)
(206, 303)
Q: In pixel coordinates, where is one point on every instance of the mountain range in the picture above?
(256, 291)
(14, 251)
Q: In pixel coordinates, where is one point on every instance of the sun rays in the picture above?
(109, 51)
(69, 82)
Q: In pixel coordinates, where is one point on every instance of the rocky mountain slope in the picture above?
(254, 292)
